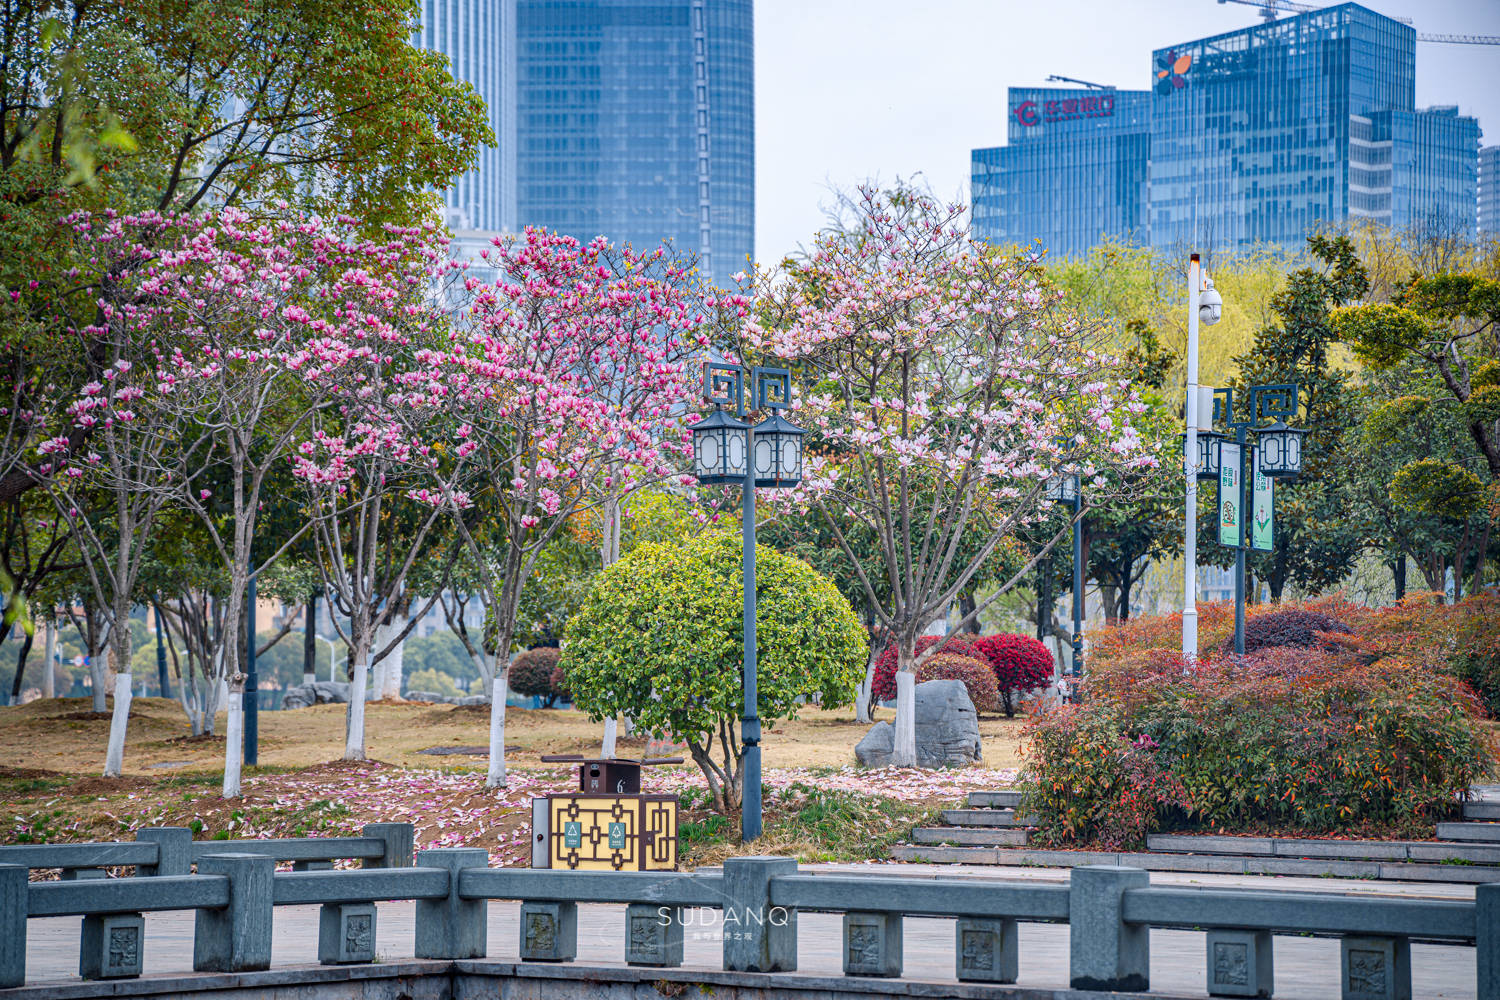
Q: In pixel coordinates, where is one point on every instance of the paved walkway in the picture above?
(1306, 968)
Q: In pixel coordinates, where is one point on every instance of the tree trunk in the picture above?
(96, 675)
(234, 739)
(389, 671)
(611, 731)
(50, 649)
(1109, 596)
(862, 699)
(354, 741)
(1398, 576)
(114, 757)
(15, 693)
(904, 753)
(495, 778)
(1484, 546)
(310, 640)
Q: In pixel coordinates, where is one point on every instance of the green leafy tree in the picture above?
(659, 639)
(1318, 533)
(1445, 325)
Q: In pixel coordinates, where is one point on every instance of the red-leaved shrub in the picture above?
(884, 683)
(976, 674)
(1288, 627)
(1020, 663)
(531, 673)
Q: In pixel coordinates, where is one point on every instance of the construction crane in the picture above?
(1270, 8)
(1086, 83)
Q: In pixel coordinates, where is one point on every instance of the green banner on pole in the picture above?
(1260, 508)
(1231, 516)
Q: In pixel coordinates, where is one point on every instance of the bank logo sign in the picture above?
(1171, 71)
(1066, 109)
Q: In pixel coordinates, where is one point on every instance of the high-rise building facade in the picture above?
(635, 120)
(1259, 135)
(1489, 191)
(631, 119)
(478, 37)
(1073, 169)
(1255, 137)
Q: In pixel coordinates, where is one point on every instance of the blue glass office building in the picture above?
(1073, 171)
(1254, 137)
(635, 120)
(1489, 191)
(478, 37)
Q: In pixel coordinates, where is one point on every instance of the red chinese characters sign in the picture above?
(1067, 109)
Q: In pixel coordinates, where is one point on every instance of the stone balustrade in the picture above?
(1110, 912)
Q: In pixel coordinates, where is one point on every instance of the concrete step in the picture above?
(967, 836)
(1003, 799)
(1478, 833)
(984, 817)
(1486, 809)
(1399, 871)
(1341, 850)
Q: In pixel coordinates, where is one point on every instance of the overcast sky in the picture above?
(849, 90)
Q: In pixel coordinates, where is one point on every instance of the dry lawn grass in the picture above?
(62, 735)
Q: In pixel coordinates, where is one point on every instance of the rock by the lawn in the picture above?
(316, 693)
(875, 749)
(947, 730)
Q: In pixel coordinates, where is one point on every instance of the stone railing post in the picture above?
(758, 937)
(13, 906)
(236, 938)
(1106, 953)
(1487, 938)
(452, 927)
(174, 845)
(399, 839)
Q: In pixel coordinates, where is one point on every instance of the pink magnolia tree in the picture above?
(249, 322)
(565, 387)
(938, 375)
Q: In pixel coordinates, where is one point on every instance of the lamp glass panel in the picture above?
(734, 464)
(765, 454)
(791, 458)
(1294, 453)
(710, 453)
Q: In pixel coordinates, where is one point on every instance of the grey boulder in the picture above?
(947, 730)
(316, 693)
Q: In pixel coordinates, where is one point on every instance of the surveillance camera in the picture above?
(1210, 305)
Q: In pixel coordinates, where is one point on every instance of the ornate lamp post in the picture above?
(1277, 455)
(725, 452)
(1064, 488)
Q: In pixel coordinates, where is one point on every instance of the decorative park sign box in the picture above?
(607, 825)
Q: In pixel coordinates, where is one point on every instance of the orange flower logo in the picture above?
(1170, 70)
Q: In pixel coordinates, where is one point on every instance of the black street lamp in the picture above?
(1065, 488)
(1277, 455)
(727, 451)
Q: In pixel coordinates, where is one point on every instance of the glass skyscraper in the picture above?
(1074, 169)
(1259, 135)
(478, 37)
(635, 119)
(1489, 191)
(1253, 136)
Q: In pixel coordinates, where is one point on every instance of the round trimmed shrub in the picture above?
(976, 674)
(884, 684)
(531, 673)
(1289, 627)
(560, 684)
(1020, 662)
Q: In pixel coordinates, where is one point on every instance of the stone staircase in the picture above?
(988, 832)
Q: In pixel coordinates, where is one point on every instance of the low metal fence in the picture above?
(1110, 912)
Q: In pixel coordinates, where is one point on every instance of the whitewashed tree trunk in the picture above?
(234, 739)
(390, 670)
(114, 757)
(611, 729)
(97, 675)
(50, 646)
(905, 751)
(354, 744)
(498, 693)
(862, 699)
